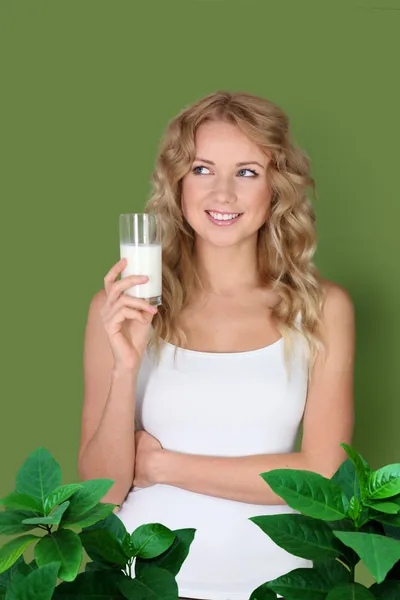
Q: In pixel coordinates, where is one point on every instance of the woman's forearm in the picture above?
(111, 451)
(230, 478)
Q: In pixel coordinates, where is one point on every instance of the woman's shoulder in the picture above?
(337, 303)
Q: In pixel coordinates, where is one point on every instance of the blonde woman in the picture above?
(249, 342)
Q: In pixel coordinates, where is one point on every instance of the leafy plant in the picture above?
(40, 502)
(351, 517)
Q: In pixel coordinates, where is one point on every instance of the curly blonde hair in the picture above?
(286, 242)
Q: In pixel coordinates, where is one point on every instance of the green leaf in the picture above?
(263, 593)
(390, 531)
(151, 539)
(86, 498)
(153, 584)
(361, 466)
(309, 493)
(13, 550)
(60, 495)
(92, 516)
(22, 502)
(90, 584)
(378, 553)
(11, 521)
(384, 482)
(39, 475)
(346, 478)
(310, 584)
(18, 566)
(301, 536)
(113, 524)
(388, 590)
(38, 585)
(172, 559)
(389, 508)
(355, 508)
(53, 519)
(63, 546)
(350, 591)
(101, 543)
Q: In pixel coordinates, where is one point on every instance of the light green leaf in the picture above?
(154, 584)
(37, 585)
(361, 466)
(151, 540)
(60, 495)
(389, 508)
(350, 591)
(310, 584)
(12, 550)
(172, 559)
(378, 553)
(309, 493)
(92, 491)
(92, 516)
(300, 535)
(53, 519)
(355, 508)
(21, 502)
(63, 546)
(384, 482)
(39, 475)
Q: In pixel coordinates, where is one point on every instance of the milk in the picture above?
(144, 259)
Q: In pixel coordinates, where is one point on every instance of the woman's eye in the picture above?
(252, 171)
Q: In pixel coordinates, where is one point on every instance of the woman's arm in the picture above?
(328, 421)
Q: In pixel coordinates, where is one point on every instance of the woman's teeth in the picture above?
(224, 217)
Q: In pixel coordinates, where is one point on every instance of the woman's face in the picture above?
(226, 194)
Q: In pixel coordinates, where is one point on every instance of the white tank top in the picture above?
(219, 404)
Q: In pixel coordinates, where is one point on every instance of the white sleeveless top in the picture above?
(219, 404)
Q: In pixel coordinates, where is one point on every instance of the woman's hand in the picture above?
(147, 459)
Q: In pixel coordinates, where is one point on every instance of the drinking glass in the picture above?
(140, 244)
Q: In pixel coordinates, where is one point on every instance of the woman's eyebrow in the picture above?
(239, 164)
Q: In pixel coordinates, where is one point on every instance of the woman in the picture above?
(249, 341)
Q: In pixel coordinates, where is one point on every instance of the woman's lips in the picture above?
(223, 222)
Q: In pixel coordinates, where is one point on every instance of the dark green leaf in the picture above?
(310, 584)
(90, 584)
(18, 566)
(22, 502)
(350, 591)
(153, 584)
(113, 524)
(86, 498)
(38, 585)
(172, 559)
(361, 466)
(384, 482)
(53, 519)
(103, 543)
(300, 535)
(60, 495)
(12, 550)
(151, 539)
(388, 590)
(65, 547)
(346, 478)
(11, 521)
(309, 493)
(92, 516)
(378, 553)
(263, 593)
(390, 531)
(39, 475)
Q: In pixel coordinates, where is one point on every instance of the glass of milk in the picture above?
(140, 244)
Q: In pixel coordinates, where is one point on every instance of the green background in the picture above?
(87, 89)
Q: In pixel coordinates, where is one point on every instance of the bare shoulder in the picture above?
(338, 315)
